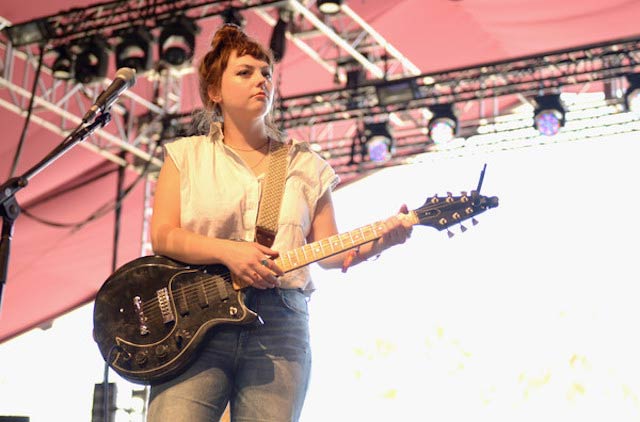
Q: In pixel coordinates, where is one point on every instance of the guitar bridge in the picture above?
(165, 305)
(142, 319)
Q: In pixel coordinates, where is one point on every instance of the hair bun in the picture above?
(226, 33)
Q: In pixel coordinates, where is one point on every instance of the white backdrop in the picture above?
(530, 315)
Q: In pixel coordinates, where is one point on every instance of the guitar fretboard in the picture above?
(332, 245)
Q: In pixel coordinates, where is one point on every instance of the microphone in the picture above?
(125, 78)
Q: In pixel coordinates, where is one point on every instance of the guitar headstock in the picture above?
(442, 212)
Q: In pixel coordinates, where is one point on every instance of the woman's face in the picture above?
(246, 88)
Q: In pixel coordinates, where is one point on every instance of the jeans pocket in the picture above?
(294, 300)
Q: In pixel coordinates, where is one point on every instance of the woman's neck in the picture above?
(247, 135)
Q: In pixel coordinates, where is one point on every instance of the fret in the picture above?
(335, 246)
(342, 247)
(310, 251)
(322, 252)
(304, 254)
(294, 263)
(351, 239)
(297, 254)
(369, 234)
(317, 250)
(377, 228)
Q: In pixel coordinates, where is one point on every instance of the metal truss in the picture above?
(316, 115)
(389, 88)
(339, 43)
(59, 105)
(108, 18)
(525, 76)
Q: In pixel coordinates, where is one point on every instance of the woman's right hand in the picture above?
(252, 265)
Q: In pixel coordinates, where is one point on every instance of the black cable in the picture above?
(102, 210)
(105, 389)
(27, 120)
(68, 189)
(108, 207)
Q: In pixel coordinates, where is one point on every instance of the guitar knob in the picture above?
(181, 336)
(141, 358)
(124, 354)
(179, 339)
(161, 351)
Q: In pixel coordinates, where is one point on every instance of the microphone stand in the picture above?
(9, 206)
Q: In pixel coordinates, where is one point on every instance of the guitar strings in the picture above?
(185, 290)
(151, 308)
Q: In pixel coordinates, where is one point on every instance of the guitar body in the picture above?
(153, 313)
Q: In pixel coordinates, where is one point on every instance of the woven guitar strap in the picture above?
(271, 198)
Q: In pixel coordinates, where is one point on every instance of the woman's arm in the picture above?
(244, 259)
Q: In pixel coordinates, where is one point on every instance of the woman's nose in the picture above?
(262, 80)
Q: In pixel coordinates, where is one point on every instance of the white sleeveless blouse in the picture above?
(220, 194)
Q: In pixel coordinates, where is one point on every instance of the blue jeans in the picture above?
(262, 371)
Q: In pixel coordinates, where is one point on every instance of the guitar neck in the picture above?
(316, 251)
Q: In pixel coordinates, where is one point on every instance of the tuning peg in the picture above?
(474, 221)
(463, 228)
(450, 233)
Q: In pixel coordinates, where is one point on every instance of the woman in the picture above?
(206, 200)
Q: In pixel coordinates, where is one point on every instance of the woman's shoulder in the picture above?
(305, 155)
(188, 143)
(297, 146)
(188, 149)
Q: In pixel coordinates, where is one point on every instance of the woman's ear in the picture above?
(213, 94)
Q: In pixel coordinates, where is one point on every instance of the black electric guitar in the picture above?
(152, 314)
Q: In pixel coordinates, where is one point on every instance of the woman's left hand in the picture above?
(397, 230)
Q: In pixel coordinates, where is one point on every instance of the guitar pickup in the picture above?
(203, 300)
(165, 305)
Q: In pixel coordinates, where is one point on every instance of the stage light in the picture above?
(177, 41)
(234, 17)
(355, 77)
(33, 32)
(379, 143)
(392, 92)
(134, 49)
(549, 114)
(632, 94)
(443, 126)
(278, 41)
(92, 60)
(329, 7)
(62, 67)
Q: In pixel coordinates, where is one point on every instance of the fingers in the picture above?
(397, 228)
(272, 266)
(267, 251)
(259, 281)
(264, 275)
